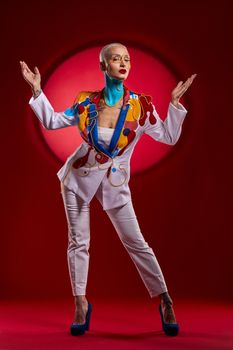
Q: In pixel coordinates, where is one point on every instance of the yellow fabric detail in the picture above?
(82, 96)
(123, 141)
(82, 117)
(82, 120)
(134, 110)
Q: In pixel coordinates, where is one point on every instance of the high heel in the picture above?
(80, 329)
(168, 328)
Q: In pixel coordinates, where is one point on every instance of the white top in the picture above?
(105, 135)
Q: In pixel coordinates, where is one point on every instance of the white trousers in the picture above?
(126, 225)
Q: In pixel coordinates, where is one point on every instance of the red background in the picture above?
(148, 74)
(183, 204)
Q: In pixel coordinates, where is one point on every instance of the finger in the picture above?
(184, 89)
(179, 84)
(187, 81)
(26, 67)
(180, 88)
(182, 94)
(25, 71)
(193, 76)
(181, 91)
(28, 81)
(191, 80)
(36, 70)
(187, 84)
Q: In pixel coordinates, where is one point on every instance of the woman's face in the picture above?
(118, 62)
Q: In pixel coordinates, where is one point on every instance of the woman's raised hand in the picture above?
(180, 89)
(33, 79)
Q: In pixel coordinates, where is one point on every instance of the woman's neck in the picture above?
(113, 90)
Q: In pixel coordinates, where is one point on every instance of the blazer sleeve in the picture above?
(169, 130)
(51, 119)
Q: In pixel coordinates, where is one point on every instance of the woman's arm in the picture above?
(48, 117)
(169, 130)
(41, 105)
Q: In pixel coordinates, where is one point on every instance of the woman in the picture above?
(110, 121)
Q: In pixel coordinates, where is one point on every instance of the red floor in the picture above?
(133, 324)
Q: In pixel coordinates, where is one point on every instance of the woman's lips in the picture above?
(123, 71)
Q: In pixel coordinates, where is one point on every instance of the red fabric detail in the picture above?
(152, 119)
(84, 135)
(81, 109)
(131, 125)
(146, 106)
(95, 97)
(101, 158)
(81, 161)
(130, 138)
(126, 95)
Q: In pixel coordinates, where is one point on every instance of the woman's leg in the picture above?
(125, 222)
(78, 220)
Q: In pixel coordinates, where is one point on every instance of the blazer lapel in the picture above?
(118, 129)
(112, 150)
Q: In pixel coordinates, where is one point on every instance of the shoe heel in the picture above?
(88, 316)
(171, 329)
(76, 329)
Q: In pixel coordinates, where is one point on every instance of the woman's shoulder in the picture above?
(83, 95)
(140, 95)
(144, 99)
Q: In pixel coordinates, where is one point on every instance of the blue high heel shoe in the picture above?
(80, 329)
(168, 328)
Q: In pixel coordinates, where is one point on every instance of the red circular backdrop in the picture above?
(81, 72)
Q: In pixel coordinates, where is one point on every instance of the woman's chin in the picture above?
(120, 78)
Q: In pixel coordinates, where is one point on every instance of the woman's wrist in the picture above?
(36, 91)
(175, 103)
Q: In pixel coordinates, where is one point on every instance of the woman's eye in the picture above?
(118, 59)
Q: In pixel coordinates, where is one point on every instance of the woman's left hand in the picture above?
(180, 89)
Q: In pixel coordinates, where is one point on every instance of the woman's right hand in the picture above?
(33, 79)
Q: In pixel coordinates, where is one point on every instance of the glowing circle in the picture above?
(81, 72)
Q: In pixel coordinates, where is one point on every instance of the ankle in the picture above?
(80, 300)
(166, 299)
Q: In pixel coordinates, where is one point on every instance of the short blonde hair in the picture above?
(105, 49)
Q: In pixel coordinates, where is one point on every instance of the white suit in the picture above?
(105, 172)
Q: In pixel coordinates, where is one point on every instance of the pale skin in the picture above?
(116, 58)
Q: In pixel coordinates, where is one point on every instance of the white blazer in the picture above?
(89, 166)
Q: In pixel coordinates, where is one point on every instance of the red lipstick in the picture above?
(123, 71)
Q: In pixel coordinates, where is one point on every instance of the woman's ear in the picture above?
(103, 66)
